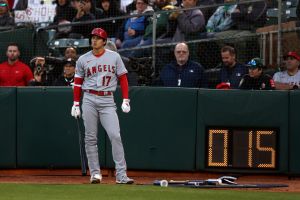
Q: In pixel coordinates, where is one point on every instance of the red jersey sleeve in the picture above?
(77, 89)
(124, 86)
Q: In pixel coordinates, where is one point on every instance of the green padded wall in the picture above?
(47, 133)
(294, 132)
(8, 127)
(160, 131)
(234, 108)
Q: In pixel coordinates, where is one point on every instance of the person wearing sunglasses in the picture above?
(5, 17)
(290, 78)
(256, 79)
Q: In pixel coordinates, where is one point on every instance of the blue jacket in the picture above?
(188, 75)
(221, 19)
(233, 75)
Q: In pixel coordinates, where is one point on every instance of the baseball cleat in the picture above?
(124, 180)
(96, 178)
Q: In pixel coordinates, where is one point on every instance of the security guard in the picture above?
(256, 80)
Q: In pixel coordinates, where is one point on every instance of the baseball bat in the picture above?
(227, 180)
(174, 182)
(82, 151)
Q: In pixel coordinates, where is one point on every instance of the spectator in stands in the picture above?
(64, 15)
(5, 17)
(13, 72)
(183, 72)
(133, 29)
(40, 72)
(110, 9)
(290, 78)
(189, 23)
(221, 19)
(84, 13)
(256, 79)
(71, 52)
(57, 63)
(161, 27)
(67, 78)
(249, 16)
(20, 4)
(209, 10)
(231, 71)
(128, 6)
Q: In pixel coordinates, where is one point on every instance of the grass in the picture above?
(129, 192)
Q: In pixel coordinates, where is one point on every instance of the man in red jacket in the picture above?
(13, 72)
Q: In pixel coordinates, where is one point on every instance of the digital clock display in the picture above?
(241, 148)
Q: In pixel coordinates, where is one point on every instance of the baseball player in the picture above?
(97, 73)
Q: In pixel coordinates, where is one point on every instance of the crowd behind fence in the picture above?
(222, 43)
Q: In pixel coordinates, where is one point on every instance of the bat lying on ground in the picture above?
(224, 180)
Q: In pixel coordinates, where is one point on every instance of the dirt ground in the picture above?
(73, 176)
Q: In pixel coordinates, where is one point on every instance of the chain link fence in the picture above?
(254, 28)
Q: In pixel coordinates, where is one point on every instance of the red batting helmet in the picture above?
(99, 32)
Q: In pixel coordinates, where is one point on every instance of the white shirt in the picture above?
(284, 77)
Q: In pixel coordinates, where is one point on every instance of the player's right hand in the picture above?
(75, 112)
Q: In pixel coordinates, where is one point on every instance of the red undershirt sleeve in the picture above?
(77, 89)
(124, 86)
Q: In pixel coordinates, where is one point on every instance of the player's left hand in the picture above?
(125, 106)
(75, 111)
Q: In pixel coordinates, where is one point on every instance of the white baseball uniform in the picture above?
(100, 74)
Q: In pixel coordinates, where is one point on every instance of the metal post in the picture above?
(271, 49)
(263, 43)
(154, 40)
(279, 35)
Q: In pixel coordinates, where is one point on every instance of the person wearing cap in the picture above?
(5, 17)
(290, 78)
(256, 80)
(67, 78)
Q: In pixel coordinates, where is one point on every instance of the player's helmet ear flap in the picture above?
(99, 32)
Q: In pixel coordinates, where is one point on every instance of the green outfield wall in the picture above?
(294, 133)
(165, 130)
(8, 117)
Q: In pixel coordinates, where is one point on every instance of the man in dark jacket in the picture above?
(256, 80)
(231, 71)
(183, 72)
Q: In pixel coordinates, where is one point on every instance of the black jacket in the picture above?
(65, 12)
(7, 20)
(84, 30)
(251, 15)
(111, 27)
(62, 81)
(264, 82)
